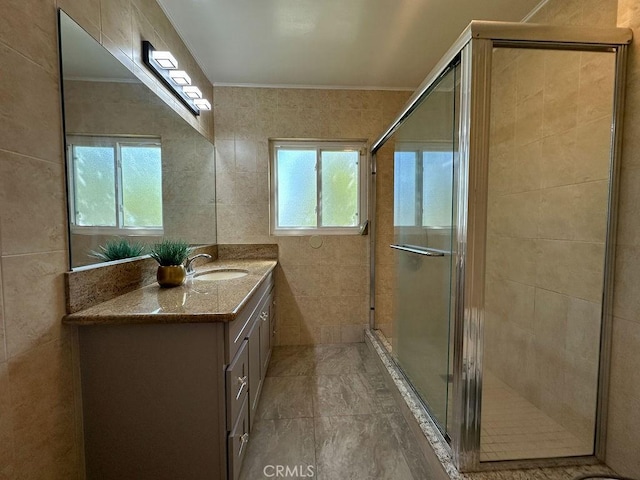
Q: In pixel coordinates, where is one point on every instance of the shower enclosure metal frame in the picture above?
(474, 47)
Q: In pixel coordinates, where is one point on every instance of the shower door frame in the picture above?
(475, 46)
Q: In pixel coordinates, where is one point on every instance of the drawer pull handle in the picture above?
(242, 381)
(244, 439)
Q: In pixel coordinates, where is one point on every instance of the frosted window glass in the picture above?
(297, 188)
(437, 182)
(404, 195)
(142, 186)
(94, 180)
(339, 189)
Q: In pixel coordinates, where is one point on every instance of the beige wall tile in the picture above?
(529, 73)
(116, 23)
(596, 85)
(85, 12)
(583, 330)
(42, 412)
(629, 207)
(624, 415)
(142, 29)
(529, 120)
(601, 13)
(33, 219)
(23, 132)
(7, 454)
(574, 212)
(3, 349)
(562, 164)
(25, 277)
(38, 18)
(516, 215)
(551, 312)
(572, 268)
(626, 298)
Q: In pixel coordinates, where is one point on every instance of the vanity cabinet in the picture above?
(167, 401)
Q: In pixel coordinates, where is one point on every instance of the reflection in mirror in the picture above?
(135, 168)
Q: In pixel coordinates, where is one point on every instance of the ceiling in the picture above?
(388, 44)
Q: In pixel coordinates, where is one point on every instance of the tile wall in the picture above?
(623, 431)
(546, 225)
(39, 430)
(323, 293)
(623, 435)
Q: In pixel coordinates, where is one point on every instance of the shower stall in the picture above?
(495, 208)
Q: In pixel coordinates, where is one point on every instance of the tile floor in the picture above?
(514, 428)
(325, 410)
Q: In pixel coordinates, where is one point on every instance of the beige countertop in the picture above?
(196, 301)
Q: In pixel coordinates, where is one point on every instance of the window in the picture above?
(423, 186)
(318, 187)
(115, 184)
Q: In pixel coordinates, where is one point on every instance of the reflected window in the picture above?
(317, 186)
(115, 184)
(422, 187)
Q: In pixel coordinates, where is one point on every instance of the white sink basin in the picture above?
(216, 275)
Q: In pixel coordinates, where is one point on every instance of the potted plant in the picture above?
(117, 249)
(171, 254)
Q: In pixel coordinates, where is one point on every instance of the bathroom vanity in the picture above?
(171, 378)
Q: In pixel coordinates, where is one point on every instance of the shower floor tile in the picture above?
(513, 428)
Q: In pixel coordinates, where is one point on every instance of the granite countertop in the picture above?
(194, 302)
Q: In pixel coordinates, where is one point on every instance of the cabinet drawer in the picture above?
(238, 441)
(237, 330)
(237, 384)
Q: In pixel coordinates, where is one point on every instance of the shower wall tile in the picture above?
(530, 119)
(582, 217)
(571, 268)
(624, 415)
(549, 161)
(592, 105)
(629, 206)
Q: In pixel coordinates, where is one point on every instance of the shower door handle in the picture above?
(427, 252)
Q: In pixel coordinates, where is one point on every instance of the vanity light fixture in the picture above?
(192, 91)
(164, 66)
(202, 103)
(180, 77)
(165, 60)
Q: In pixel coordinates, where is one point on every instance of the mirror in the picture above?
(135, 168)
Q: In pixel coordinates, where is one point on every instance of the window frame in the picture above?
(320, 145)
(116, 141)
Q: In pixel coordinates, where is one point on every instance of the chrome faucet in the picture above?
(188, 265)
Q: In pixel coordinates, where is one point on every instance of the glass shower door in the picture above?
(425, 150)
